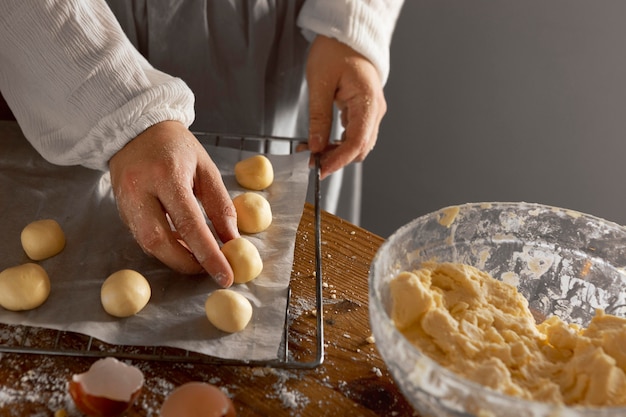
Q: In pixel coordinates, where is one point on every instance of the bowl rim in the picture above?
(375, 300)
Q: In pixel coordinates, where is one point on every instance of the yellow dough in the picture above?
(254, 213)
(244, 258)
(482, 329)
(255, 173)
(125, 293)
(24, 287)
(228, 310)
(42, 239)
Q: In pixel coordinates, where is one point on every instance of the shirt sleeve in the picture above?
(365, 25)
(76, 85)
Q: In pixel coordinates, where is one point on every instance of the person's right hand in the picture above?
(164, 172)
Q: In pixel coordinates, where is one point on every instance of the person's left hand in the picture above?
(337, 74)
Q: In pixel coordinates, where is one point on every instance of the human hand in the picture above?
(160, 173)
(338, 74)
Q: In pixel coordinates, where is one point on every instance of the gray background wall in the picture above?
(502, 100)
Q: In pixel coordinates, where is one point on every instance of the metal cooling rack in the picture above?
(262, 144)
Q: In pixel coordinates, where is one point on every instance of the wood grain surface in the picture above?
(352, 380)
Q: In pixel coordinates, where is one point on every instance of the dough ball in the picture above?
(24, 287)
(42, 239)
(244, 258)
(254, 213)
(228, 310)
(255, 172)
(125, 293)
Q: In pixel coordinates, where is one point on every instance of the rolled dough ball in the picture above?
(42, 239)
(125, 293)
(244, 258)
(228, 310)
(255, 172)
(24, 287)
(254, 213)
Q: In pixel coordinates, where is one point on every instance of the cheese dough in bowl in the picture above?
(482, 329)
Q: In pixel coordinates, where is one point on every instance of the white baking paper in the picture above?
(99, 244)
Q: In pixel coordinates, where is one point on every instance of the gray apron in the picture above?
(244, 60)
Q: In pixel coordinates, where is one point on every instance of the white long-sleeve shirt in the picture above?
(75, 84)
(81, 91)
(365, 26)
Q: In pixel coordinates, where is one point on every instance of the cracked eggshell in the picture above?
(107, 389)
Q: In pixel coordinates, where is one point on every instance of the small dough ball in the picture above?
(228, 310)
(42, 239)
(244, 258)
(255, 172)
(125, 293)
(24, 287)
(254, 213)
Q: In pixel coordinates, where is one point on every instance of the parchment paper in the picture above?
(99, 244)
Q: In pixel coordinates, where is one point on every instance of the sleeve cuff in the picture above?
(172, 100)
(365, 26)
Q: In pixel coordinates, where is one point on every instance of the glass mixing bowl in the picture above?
(564, 262)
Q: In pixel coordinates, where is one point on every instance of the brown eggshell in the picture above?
(107, 389)
(197, 399)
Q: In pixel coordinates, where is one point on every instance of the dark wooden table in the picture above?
(352, 380)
